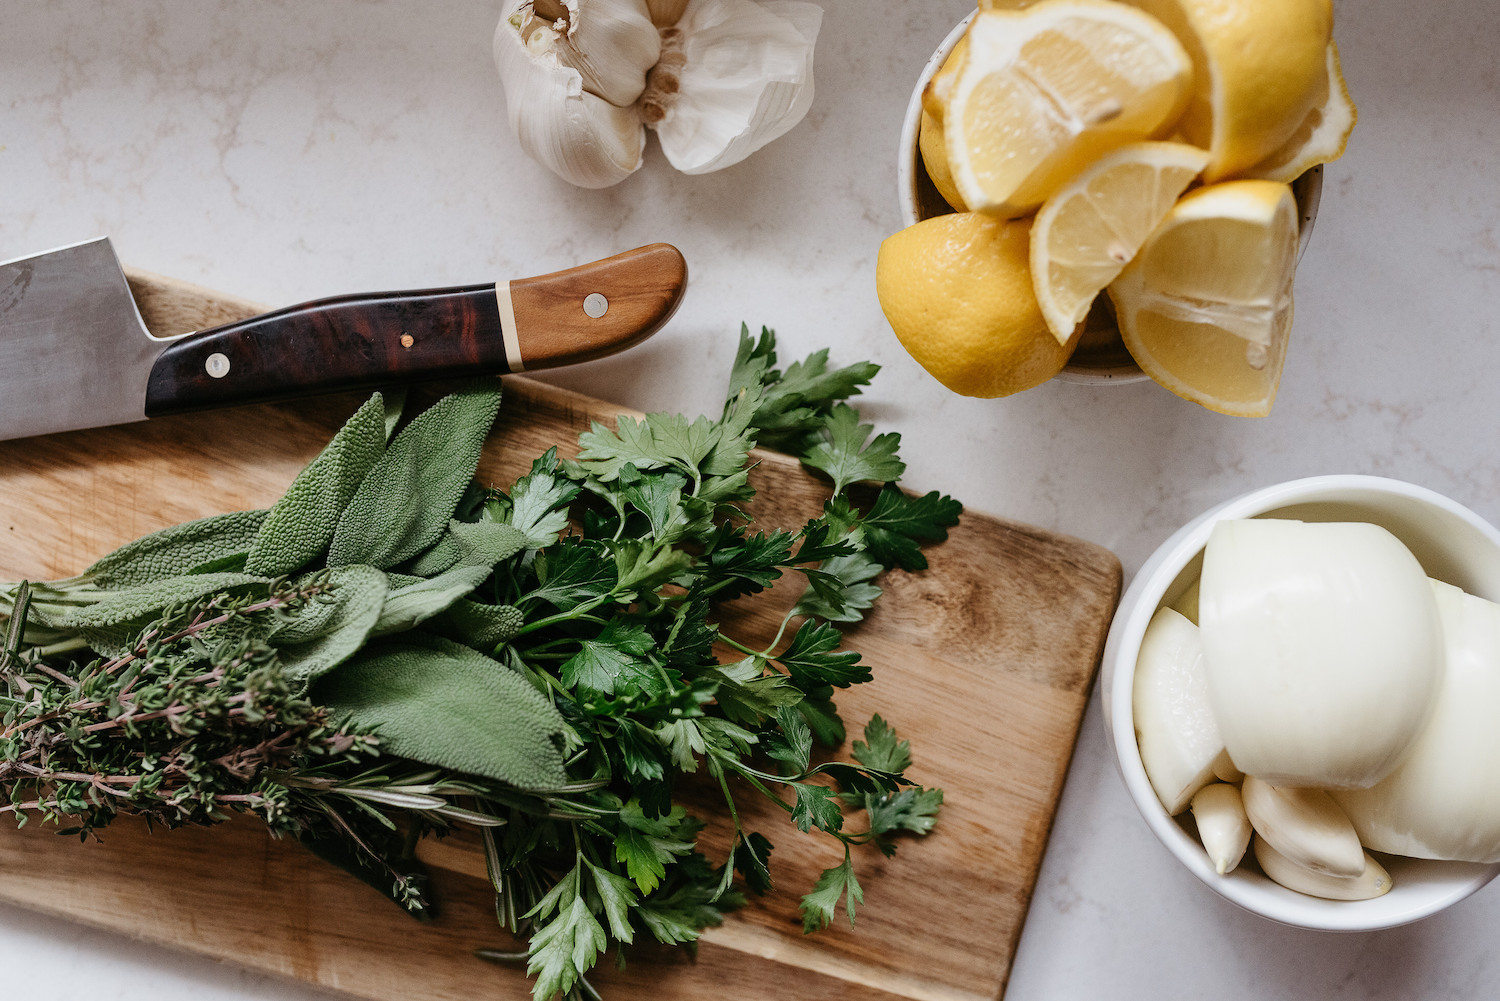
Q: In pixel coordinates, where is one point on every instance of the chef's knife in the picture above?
(75, 354)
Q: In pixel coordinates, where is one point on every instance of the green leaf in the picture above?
(473, 623)
(640, 751)
(409, 605)
(178, 550)
(840, 451)
(793, 746)
(617, 896)
(614, 662)
(748, 565)
(752, 858)
(881, 750)
(648, 845)
(850, 595)
(564, 949)
(300, 526)
(539, 502)
(405, 501)
(441, 703)
(642, 566)
(812, 662)
(816, 807)
(897, 524)
(913, 809)
(133, 603)
(311, 645)
(819, 906)
(572, 572)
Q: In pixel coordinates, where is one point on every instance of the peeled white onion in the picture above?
(1443, 801)
(1174, 726)
(1322, 649)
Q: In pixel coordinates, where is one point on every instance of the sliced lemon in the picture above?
(930, 141)
(1323, 135)
(1258, 69)
(957, 292)
(1044, 91)
(1090, 229)
(1206, 306)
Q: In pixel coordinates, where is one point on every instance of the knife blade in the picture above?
(74, 352)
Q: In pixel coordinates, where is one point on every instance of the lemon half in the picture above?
(1042, 92)
(957, 291)
(1092, 227)
(1323, 134)
(1206, 306)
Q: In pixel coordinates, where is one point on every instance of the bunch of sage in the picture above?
(393, 649)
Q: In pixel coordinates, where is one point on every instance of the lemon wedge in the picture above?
(1092, 227)
(1044, 91)
(1258, 69)
(957, 291)
(1206, 306)
(1323, 135)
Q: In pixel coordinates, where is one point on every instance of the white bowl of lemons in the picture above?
(1426, 825)
(1076, 129)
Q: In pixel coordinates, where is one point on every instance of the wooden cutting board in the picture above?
(984, 662)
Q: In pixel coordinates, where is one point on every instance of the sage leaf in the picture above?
(406, 499)
(395, 403)
(300, 526)
(329, 630)
(410, 605)
(441, 703)
(177, 550)
(147, 600)
(481, 626)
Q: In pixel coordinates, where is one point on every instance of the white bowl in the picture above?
(1451, 542)
(1100, 356)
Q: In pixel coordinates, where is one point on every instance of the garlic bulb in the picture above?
(740, 76)
(578, 134)
(1322, 649)
(716, 80)
(1443, 801)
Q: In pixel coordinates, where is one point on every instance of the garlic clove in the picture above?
(611, 43)
(1175, 729)
(733, 76)
(1304, 825)
(579, 136)
(1373, 880)
(1222, 825)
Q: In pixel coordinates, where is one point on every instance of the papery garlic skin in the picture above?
(1443, 800)
(1323, 650)
(579, 136)
(741, 76)
(611, 43)
(665, 13)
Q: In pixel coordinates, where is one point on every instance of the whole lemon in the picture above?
(957, 291)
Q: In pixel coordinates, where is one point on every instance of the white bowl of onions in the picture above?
(1324, 656)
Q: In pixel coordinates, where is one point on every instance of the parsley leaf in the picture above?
(819, 906)
(812, 662)
(880, 749)
(843, 450)
(897, 524)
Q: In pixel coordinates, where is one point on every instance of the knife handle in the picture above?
(363, 341)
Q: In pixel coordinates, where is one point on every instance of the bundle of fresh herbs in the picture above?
(392, 650)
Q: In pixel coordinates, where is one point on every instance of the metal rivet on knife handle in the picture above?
(216, 365)
(595, 305)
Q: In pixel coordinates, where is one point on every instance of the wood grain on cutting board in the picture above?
(984, 662)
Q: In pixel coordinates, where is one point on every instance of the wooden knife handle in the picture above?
(368, 340)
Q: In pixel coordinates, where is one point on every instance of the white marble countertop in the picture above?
(286, 150)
